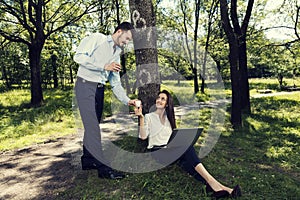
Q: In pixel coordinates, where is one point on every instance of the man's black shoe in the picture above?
(110, 174)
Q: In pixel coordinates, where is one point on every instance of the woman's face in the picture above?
(161, 101)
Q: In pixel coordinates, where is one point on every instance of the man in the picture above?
(98, 57)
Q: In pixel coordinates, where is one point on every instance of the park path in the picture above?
(41, 171)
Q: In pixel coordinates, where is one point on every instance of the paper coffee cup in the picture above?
(138, 103)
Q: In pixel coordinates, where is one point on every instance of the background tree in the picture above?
(33, 22)
(191, 52)
(172, 53)
(14, 65)
(236, 36)
(211, 11)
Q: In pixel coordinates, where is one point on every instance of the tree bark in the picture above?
(197, 13)
(145, 38)
(54, 68)
(35, 69)
(244, 86)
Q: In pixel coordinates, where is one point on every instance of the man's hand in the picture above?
(113, 67)
(132, 102)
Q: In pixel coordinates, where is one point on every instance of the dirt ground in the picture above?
(43, 170)
(40, 171)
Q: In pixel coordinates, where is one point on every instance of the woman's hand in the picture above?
(138, 111)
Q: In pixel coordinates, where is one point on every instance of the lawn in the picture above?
(263, 156)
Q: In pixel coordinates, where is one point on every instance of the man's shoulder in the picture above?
(98, 35)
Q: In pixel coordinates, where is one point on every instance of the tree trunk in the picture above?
(193, 61)
(123, 72)
(35, 69)
(54, 67)
(4, 74)
(148, 81)
(210, 16)
(236, 113)
(71, 74)
(218, 63)
(244, 84)
(197, 13)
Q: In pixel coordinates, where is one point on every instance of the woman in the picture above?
(157, 126)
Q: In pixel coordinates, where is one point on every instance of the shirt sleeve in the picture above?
(85, 50)
(147, 123)
(117, 88)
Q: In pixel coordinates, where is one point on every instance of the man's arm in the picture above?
(85, 50)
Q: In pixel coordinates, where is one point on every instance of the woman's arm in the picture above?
(142, 128)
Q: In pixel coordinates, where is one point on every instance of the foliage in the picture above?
(14, 65)
(263, 62)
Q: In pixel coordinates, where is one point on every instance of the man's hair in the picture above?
(125, 26)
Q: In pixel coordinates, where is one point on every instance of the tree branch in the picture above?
(13, 38)
(70, 21)
(297, 21)
(247, 16)
(234, 17)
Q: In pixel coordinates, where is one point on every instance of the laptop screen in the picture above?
(184, 137)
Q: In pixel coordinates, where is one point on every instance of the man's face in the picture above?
(123, 37)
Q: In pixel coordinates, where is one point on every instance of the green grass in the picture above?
(21, 125)
(271, 84)
(263, 156)
(183, 95)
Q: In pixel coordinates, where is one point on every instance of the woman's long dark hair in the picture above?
(170, 108)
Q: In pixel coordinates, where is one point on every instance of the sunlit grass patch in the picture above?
(276, 119)
(21, 125)
(271, 84)
(212, 92)
(14, 98)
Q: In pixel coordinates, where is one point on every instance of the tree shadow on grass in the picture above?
(276, 129)
(39, 172)
(258, 86)
(263, 155)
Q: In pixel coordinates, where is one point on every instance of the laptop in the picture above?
(184, 137)
(180, 141)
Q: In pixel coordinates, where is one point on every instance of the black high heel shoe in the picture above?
(217, 194)
(236, 192)
(220, 194)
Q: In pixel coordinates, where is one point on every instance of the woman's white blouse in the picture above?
(157, 132)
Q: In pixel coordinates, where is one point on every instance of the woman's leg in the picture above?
(214, 184)
(188, 161)
(191, 161)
